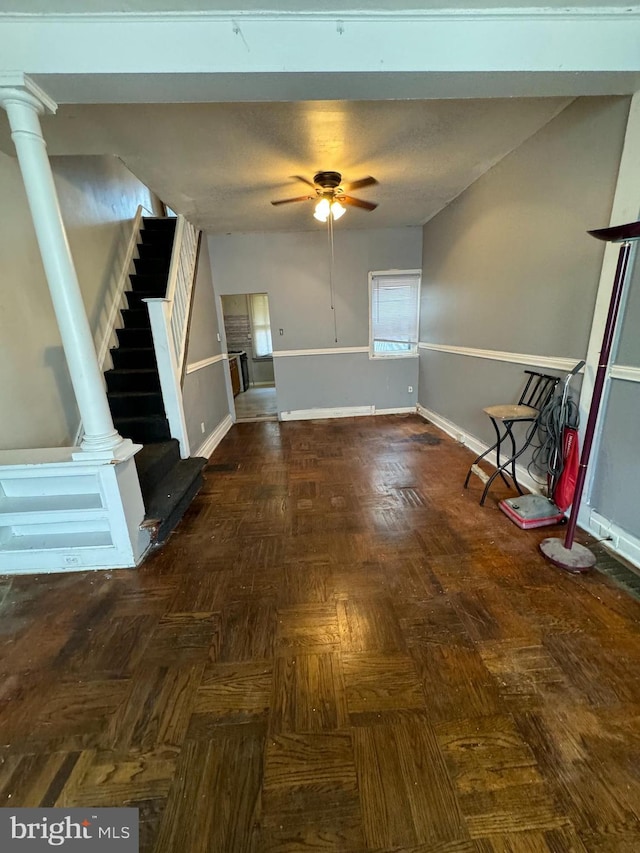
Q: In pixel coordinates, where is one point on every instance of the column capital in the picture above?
(17, 86)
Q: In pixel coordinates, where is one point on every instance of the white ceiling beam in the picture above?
(118, 54)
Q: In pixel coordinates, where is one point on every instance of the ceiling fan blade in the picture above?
(356, 202)
(304, 180)
(363, 182)
(291, 200)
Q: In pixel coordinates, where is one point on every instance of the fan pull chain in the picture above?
(331, 285)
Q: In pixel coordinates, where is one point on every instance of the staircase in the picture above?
(168, 483)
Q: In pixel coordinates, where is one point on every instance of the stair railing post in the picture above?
(169, 318)
(160, 319)
(24, 102)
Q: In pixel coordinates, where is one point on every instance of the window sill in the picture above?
(390, 355)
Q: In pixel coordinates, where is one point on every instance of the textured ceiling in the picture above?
(222, 164)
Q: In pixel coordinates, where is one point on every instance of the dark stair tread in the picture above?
(132, 379)
(134, 394)
(154, 283)
(136, 318)
(157, 248)
(131, 358)
(154, 462)
(151, 266)
(159, 223)
(138, 295)
(143, 429)
(169, 499)
(136, 404)
(158, 254)
(130, 419)
(137, 370)
(156, 237)
(133, 337)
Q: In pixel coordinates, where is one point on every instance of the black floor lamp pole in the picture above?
(570, 555)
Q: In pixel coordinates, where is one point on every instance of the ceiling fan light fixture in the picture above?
(337, 210)
(322, 211)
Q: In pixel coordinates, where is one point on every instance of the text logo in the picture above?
(74, 830)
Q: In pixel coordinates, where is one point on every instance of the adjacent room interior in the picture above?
(247, 327)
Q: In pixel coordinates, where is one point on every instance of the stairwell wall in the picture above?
(99, 198)
(204, 392)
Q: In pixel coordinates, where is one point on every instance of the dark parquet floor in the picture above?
(338, 650)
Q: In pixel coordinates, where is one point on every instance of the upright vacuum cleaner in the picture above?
(560, 425)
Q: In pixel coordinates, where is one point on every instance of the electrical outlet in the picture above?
(202, 427)
(410, 389)
(218, 337)
(281, 331)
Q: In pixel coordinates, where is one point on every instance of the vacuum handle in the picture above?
(577, 368)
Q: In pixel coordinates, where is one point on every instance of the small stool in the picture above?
(537, 392)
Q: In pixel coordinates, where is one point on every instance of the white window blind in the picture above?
(395, 300)
(260, 324)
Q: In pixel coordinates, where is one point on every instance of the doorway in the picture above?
(247, 324)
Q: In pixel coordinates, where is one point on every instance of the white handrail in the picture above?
(169, 317)
(180, 285)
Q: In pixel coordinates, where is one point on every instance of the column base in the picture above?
(124, 450)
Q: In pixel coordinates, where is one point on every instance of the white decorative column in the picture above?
(23, 101)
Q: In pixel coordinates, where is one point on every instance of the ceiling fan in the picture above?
(330, 195)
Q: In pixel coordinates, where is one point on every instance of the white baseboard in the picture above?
(620, 541)
(208, 446)
(347, 412)
(321, 414)
(474, 444)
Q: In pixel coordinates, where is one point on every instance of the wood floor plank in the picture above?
(308, 628)
(157, 709)
(229, 763)
(456, 683)
(233, 693)
(105, 778)
(377, 682)
(35, 780)
(369, 624)
(407, 794)
(308, 694)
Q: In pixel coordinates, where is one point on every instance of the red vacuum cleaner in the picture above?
(570, 555)
(530, 511)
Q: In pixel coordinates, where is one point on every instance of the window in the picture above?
(260, 325)
(394, 301)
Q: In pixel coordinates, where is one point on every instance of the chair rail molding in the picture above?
(205, 362)
(625, 371)
(552, 362)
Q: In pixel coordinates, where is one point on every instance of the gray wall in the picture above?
(355, 381)
(628, 344)
(99, 198)
(204, 391)
(294, 270)
(616, 466)
(508, 267)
